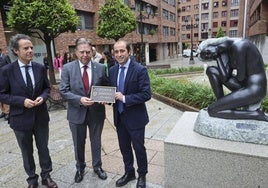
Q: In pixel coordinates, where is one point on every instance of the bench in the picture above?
(158, 66)
(55, 98)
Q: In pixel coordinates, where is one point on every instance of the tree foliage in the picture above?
(115, 20)
(43, 19)
(220, 33)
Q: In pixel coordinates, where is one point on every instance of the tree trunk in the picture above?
(48, 41)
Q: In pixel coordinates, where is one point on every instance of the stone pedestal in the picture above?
(251, 131)
(193, 160)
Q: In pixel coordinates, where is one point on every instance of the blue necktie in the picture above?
(121, 88)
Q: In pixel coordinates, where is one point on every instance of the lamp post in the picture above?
(191, 26)
(141, 17)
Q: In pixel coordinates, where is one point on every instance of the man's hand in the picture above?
(28, 103)
(38, 101)
(119, 96)
(86, 101)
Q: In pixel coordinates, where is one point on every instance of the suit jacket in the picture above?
(72, 89)
(13, 91)
(137, 91)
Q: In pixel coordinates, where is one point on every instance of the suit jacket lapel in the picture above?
(18, 76)
(93, 75)
(128, 75)
(77, 71)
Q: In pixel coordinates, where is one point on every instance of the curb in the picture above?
(178, 105)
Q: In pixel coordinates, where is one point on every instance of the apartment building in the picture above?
(201, 19)
(257, 25)
(156, 32)
(170, 27)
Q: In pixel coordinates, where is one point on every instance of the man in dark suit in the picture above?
(130, 113)
(25, 87)
(76, 80)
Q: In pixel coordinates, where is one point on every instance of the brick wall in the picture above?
(3, 43)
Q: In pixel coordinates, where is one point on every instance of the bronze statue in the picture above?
(240, 68)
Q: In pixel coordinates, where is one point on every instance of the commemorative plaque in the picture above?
(103, 94)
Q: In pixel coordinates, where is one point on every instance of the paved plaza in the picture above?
(162, 120)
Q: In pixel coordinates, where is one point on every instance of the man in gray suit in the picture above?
(76, 80)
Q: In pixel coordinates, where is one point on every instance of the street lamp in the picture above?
(191, 26)
(141, 17)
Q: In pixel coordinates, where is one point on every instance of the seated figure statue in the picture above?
(240, 68)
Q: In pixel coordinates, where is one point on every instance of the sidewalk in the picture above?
(162, 120)
(182, 62)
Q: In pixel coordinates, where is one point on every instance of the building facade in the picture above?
(201, 19)
(257, 25)
(170, 26)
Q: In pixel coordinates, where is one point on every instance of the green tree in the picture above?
(220, 33)
(45, 19)
(115, 20)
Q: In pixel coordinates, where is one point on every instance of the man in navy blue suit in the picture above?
(130, 113)
(25, 87)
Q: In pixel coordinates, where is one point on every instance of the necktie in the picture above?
(28, 79)
(121, 88)
(85, 79)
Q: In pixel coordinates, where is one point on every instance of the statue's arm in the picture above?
(224, 69)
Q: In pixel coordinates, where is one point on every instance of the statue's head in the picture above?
(207, 49)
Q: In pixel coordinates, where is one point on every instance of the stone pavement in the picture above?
(162, 120)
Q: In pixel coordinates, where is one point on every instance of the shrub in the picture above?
(193, 94)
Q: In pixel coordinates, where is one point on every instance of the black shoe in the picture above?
(79, 176)
(125, 179)
(49, 183)
(141, 183)
(2, 115)
(101, 173)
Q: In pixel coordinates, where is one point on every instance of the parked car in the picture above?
(187, 53)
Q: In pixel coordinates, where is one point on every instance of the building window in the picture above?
(172, 16)
(204, 16)
(223, 23)
(234, 13)
(204, 26)
(165, 31)
(172, 3)
(234, 3)
(215, 24)
(196, 6)
(204, 6)
(233, 33)
(233, 23)
(216, 4)
(165, 14)
(188, 8)
(224, 14)
(224, 3)
(172, 32)
(215, 14)
(86, 20)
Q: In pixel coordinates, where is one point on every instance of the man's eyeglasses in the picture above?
(87, 52)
